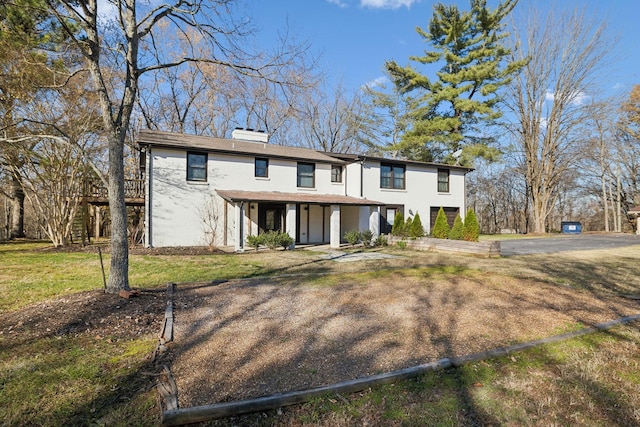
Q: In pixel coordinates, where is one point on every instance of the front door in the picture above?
(270, 217)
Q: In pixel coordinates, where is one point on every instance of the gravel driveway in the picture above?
(250, 338)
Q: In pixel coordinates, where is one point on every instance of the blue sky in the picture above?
(356, 37)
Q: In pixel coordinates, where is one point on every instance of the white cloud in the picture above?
(575, 98)
(543, 123)
(387, 4)
(338, 3)
(579, 98)
(107, 11)
(549, 96)
(380, 81)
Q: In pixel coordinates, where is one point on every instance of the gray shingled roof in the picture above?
(231, 146)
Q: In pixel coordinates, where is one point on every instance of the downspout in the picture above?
(147, 201)
(362, 176)
(346, 173)
(241, 226)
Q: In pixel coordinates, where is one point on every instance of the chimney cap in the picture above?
(250, 135)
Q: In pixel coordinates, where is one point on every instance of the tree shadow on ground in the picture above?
(267, 336)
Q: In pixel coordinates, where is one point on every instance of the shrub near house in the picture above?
(441, 226)
(457, 231)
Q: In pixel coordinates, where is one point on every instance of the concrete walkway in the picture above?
(340, 256)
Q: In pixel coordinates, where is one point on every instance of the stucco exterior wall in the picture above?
(178, 207)
(186, 213)
(420, 192)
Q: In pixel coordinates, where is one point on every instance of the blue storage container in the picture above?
(571, 227)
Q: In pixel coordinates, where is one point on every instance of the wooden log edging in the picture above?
(222, 410)
(166, 386)
(195, 414)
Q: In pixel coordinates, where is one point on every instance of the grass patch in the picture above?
(33, 272)
(71, 380)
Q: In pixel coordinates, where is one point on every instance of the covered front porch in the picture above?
(307, 218)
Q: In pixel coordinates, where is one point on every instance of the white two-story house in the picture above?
(213, 191)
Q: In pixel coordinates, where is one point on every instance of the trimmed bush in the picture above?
(471, 226)
(457, 231)
(416, 227)
(254, 241)
(366, 237)
(285, 240)
(441, 226)
(381, 241)
(353, 237)
(271, 239)
(398, 224)
(406, 230)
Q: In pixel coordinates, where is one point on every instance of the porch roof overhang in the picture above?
(280, 197)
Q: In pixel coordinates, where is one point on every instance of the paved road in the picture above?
(566, 242)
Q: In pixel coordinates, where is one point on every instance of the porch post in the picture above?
(334, 227)
(638, 224)
(238, 232)
(374, 221)
(290, 223)
(363, 218)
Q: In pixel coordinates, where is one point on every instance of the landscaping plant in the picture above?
(398, 225)
(457, 231)
(471, 227)
(416, 229)
(366, 237)
(441, 227)
(353, 237)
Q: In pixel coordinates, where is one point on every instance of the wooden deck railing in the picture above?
(133, 189)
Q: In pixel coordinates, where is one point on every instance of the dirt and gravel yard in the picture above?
(255, 337)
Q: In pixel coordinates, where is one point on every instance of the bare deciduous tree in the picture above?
(209, 213)
(57, 144)
(565, 51)
(212, 99)
(120, 50)
(332, 121)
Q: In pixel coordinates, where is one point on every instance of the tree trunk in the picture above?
(119, 273)
(17, 209)
(605, 204)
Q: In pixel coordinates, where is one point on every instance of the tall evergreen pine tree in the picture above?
(464, 94)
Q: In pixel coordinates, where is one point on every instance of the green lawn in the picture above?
(33, 272)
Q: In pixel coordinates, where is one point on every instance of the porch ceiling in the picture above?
(277, 196)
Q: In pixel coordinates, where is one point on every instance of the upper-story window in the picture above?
(196, 166)
(336, 173)
(262, 168)
(306, 175)
(392, 176)
(443, 180)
